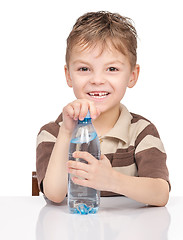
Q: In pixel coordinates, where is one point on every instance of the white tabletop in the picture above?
(118, 218)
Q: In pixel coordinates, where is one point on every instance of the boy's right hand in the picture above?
(78, 110)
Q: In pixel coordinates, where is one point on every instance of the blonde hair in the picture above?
(103, 27)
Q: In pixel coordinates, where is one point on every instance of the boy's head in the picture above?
(102, 28)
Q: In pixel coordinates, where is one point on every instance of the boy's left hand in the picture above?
(96, 174)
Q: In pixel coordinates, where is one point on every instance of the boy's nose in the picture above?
(97, 79)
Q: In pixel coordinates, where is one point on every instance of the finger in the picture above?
(77, 108)
(98, 112)
(82, 182)
(84, 155)
(93, 110)
(77, 165)
(78, 173)
(69, 111)
(103, 157)
(84, 110)
(105, 160)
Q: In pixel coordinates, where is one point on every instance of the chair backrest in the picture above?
(35, 188)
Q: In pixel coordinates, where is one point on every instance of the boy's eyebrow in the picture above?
(108, 63)
(80, 61)
(113, 62)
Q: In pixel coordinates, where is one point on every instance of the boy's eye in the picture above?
(83, 69)
(112, 69)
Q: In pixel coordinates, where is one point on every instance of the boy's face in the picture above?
(101, 78)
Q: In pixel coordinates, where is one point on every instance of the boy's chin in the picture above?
(102, 108)
(107, 108)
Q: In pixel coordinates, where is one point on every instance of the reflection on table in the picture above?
(118, 218)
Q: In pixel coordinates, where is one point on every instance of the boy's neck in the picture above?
(106, 120)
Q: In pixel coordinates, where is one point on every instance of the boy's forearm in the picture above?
(149, 191)
(55, 181)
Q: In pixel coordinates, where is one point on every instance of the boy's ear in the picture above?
(134, 76)
(67, 75)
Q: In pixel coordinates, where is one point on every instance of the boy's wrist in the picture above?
(116, 179)
(64, 131)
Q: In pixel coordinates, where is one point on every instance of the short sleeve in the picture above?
(45, 142)
(150, 154)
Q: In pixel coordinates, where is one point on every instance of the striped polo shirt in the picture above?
(133, 147)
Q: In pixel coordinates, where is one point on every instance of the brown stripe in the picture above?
(59, 119)
(125, 150)
(43, 153)
(137, 117)
(109, 156)
(149, 130)
(152, 163)
(123, 157)
(51, 127)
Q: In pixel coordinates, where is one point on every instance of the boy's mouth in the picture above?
(98, 94)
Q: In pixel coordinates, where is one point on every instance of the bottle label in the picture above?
(84, 138)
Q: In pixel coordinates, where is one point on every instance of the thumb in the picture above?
(104, 158)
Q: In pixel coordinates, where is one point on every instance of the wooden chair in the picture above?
(35, 188)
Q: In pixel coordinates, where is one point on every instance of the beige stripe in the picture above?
(136, 128)
(128, 170)
(149, 142)
(45, 136)
(110, 145)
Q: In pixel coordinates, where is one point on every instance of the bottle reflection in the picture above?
(55, 222)
(125, 220)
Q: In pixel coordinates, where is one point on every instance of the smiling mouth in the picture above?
(101, 94)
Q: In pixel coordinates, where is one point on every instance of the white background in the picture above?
(33, 90)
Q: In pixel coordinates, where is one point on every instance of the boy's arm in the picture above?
(55, 181)
(100, 175)
(151, 191)
(56, 177)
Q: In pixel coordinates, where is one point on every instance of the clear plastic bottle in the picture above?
(83, 200)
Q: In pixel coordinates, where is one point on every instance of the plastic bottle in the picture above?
(83, 200)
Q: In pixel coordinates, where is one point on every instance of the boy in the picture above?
(100, 65)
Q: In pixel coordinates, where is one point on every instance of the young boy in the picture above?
(100, 65)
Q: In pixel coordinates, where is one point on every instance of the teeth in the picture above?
(98, 95)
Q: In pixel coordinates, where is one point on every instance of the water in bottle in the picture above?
(83, 200)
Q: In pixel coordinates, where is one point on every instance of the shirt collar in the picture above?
(121, 127)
